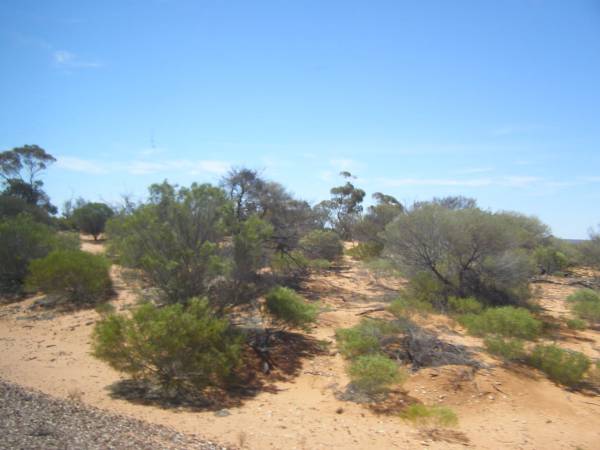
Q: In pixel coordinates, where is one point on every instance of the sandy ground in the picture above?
(500, 407)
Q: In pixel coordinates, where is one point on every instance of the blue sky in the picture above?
(495, 100)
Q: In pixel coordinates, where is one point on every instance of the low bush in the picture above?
(80, 276)
(175, 346)
(364, 338)
(322, 244)
(564, 366)
(382, 267)
(586, 305)
(468, 305)
(374, 374)
(576, 324)
(508, 349)
(22, 239)
(422, 415)
(506, 321)
(365, 251)
(91, 218)
(403, 306)
(288, 308)
(550, 260)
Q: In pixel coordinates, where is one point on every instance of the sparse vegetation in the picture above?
(179, 347)
(422, 415)
(576, 324)
(563, 366)
(374, 373)
(468, 305)
(508, 349)
(585, 304)
(506, 321)
(364, 338)
(79, 276)
(407, 305)
(322, 244)
(288, 308)
(365, 251)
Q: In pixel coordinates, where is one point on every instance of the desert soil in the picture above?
(498, 407)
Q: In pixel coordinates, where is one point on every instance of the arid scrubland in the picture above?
(244, 315)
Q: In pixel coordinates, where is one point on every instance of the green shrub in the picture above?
(91, 218)
(373, 374)
(322, 244)
(550, 260)
(80, 276)
(288, 308)
(22, 239)
(439, 416)
(403, 306)
(364, 338)
(382, 267)
(564, 366)
(175, 346)
(509, 349)
(586, 304)
(576, 324)
(506, 321)
(365, 251)
(289, 264)
(468, 305)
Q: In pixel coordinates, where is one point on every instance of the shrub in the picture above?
(506, 321)
(440, 416)
(468, 305)
(91, 218)
(467, 251)
(509, 349)
(364, 251)
(177, 240)
(382, 267)
(586, 304)
(322, 244)
(550, 260)
(576, 324)
(564, 366)
(80, 276)
(175, 346)
(289, 264)
(373, 374)
(364, 338)
(22, 239)
(403, 306)
(288, 308)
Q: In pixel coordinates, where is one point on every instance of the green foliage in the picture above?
(177, 241)
(364, 338)
(406, 305)
(576, 324)
(288, 308)
(550, 260)
(80, 276)
(467, 252)
(468, 305)
(91, 218)
(382, 267)
(563, 366)
(364, 251)
(585, 303)
(23, 239)
(509, 349)
(288, 264)
(249, 247)
(322, 244)
(506, 321)
(422, 415)
(178, 347)
(374, 373)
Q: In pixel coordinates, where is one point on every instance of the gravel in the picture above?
(32, 420)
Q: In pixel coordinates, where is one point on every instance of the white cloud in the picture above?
(397, 182)
(66, 59)
(141, 167)
(80, 165)
(520, 181)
